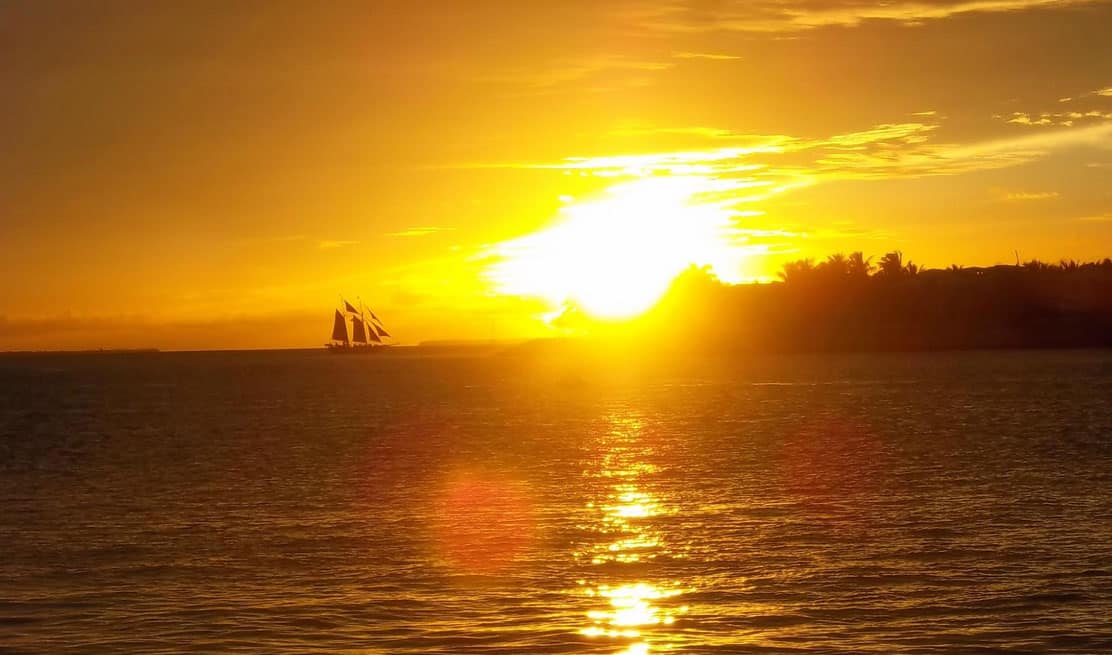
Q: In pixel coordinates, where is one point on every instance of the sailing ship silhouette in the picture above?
(367, 334)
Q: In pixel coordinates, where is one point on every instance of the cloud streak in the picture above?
(759, 166)
(1020, 196)
(418, 231)
(705, 55)
(779, 16)
(1061, 119)
(579, 71)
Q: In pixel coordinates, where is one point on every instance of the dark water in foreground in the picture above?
(293, 502)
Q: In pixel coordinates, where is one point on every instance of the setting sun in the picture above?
(615, 255)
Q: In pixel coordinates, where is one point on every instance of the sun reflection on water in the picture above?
(637, 605)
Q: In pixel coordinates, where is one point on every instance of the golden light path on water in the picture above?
(632, 612)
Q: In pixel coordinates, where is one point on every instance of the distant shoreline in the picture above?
(424, 347)
(84, 351)
(556, 344)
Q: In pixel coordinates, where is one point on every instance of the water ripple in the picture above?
(288, 503)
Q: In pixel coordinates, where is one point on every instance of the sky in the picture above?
(198, 175)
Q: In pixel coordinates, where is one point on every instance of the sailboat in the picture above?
(367, 332)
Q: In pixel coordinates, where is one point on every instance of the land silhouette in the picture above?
(855, 303)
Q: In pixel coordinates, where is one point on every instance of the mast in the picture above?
(339, 328)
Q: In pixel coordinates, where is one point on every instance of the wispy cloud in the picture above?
(328, 245)
(927, 161)
(762, 165)
(565, 72)
(915, 12)
(1020, 196)
(725, 159)
(1061, 119)
(729, 158)
(882, 150)
(418, 231)
(940, 159)
(1097, 218)
(800, 15)
(888, 132)
(704, 55)
(1099, 135)
(708, 132)
(1105, 92)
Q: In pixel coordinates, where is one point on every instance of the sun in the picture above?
(614, 256)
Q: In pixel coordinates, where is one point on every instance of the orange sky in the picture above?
(214, 175)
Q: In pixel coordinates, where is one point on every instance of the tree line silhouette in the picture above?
(849, 302)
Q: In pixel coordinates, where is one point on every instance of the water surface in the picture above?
(293, 502)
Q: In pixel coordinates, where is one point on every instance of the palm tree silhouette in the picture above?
(794, 272)
(836, 265)
(891, 265)
(859, 266)
(837, 304)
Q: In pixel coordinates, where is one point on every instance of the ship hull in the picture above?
(337, 349)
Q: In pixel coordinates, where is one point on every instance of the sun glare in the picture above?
(614, 256)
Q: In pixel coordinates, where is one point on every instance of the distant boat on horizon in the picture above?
(367, 332)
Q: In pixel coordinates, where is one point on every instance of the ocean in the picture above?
(293, 502)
